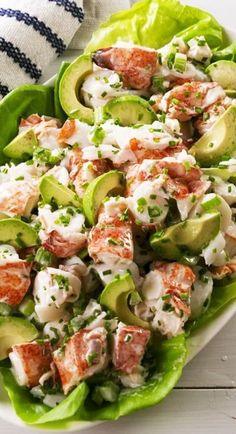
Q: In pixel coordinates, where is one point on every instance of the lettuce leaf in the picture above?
(221, 297)
(170, 359)
(153, 23)
(21, 102)
(228, 53)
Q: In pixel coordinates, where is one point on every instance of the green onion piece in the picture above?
(180, 62)
(43, 257)
(5, 309)
(157, 83)
(107, 392)
(27, 306)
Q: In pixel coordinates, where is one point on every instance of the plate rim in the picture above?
(195, 344)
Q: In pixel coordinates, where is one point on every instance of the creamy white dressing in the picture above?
(81, 134)
(227, 190)
(117, 156)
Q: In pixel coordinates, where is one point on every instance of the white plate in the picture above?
(197, 342)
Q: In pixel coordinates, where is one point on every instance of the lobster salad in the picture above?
(117, 219)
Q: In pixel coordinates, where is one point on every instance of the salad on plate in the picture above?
(117, 215)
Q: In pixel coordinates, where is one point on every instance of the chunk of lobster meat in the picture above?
(84, 355)
(189, 100)
(135, 65)
(176, 278)
(62, 230)
(129, 345)
(107, 243)
(61, 247)
(67, 130)
(38, 123)
(211, 114)
(18, 198)
(142, 153)
(30, 361)
(15, 280)
(221, 271)
(88, 171)
(166, 291)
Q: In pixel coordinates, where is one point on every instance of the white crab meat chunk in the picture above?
(53, 289)
(22, 171)
(18, 198)
(199, 49)
(227, 190)
(30, 361)
(214, 253)
(166, 291)
(85, 354)
(149, 203)
(93, 317)
(55, 330)
(102, 85)
(201, 292)
(107, 271)
(60, 173)
(63, 231)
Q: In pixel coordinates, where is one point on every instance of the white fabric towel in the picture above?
(32, 34)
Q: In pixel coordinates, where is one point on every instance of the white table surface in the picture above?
(204, 401)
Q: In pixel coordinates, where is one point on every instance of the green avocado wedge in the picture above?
(98, 189)
(22, 146)
(218, 142)
(17, 233)
(15, 331)
(69, 89)
(224, 174)
(224, 73)
(59, 112)
(115, 297)
(188, 237)
(128, 110)
(51, 189)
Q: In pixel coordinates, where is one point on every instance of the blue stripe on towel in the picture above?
(3, 89)
(19, 57)
(39, 26)
(71, 6)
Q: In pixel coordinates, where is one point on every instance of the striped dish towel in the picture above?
(32, 34)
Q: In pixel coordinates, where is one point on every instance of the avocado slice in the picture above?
(51, 189)
(224, 73)
(231, 93)
(17, 233)
(115, 297)
(59, 112)
(128, 110)
(98, 189)
(22, 146)
(15, 331)
(224, 174)
(218, 142)
(69, 89)
(188, 237)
